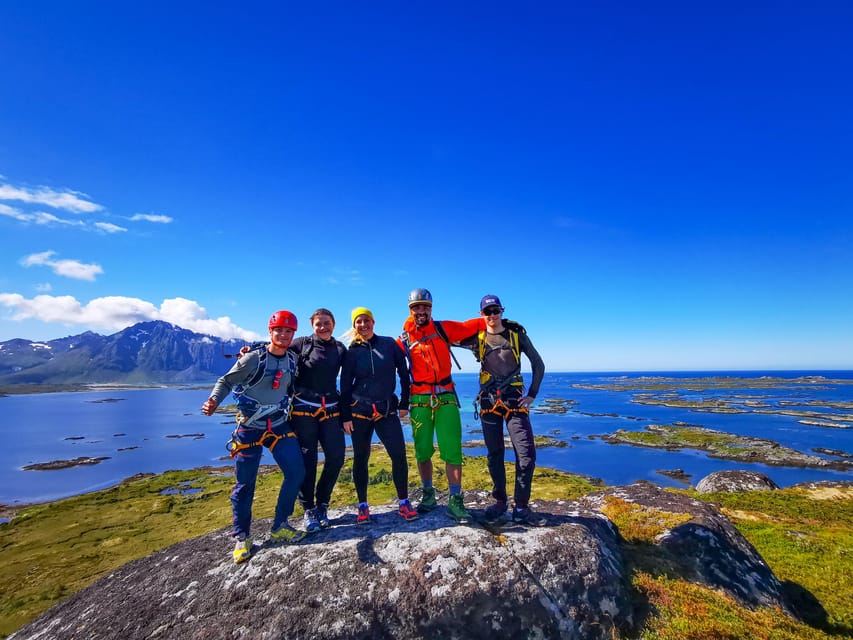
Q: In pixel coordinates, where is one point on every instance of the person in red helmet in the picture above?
(262, 383)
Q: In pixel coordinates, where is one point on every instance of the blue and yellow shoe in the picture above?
(242, 550)
(287, 534)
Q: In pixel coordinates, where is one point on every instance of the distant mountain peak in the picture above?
(149, 352)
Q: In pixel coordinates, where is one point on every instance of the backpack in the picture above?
(439, 330)
(240, 391)
(477, 344)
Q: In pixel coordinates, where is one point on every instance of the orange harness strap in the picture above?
(268, 439)
(371, 418)
(322, 413)
(500, 408)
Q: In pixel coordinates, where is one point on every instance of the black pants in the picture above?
(330, 435)
(521, 435)
(390, 432)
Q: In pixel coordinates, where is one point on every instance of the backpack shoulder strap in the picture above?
(514, 326)
(440, 331)
(259, 372)
(514, 343)
(406, 341)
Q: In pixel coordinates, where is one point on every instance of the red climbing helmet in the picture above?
(283, 319)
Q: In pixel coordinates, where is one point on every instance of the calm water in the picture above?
(131, 429)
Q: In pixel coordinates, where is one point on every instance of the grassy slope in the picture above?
(55, 549)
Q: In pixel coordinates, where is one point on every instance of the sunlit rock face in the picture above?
(430, 578)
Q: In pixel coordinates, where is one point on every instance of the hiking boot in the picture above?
(528, 517)
(322, 513)
(312, 524)
(242, 550)
(456, 509)
(363, 516)
(287, 534)
(427, 502)
(406, 512)
(495, 512)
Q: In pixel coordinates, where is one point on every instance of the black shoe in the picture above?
(528, 517)
(495, 512)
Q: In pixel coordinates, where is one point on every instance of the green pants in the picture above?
(436, 416)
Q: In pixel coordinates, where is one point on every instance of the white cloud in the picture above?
(117, 312)
(73, 201)
(68, 268)
(41, 217)
(6, 210)
(109, 227)
(151, 218)
(44, 287)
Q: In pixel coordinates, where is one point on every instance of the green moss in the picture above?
(806, 536)
(684, 611)
(637, 523)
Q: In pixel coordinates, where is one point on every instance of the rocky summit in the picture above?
(430, 578)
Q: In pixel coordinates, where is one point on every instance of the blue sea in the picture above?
(154, 430)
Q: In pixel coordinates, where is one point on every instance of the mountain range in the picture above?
(152, 352)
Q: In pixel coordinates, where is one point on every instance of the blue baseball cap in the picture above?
(490, 301)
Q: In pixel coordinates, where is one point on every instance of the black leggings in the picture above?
(390, 432)
(330, 436)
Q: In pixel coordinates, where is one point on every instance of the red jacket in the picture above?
(430, 354)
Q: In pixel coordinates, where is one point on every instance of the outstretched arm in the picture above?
(538, 366)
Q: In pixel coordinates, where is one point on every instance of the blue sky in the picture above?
(647, 186)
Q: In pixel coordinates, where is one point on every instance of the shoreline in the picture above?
(6, 509)
(631, 379)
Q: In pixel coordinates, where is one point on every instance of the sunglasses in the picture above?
(276, 381)
(492, 311)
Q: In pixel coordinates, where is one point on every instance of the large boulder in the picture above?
(426, 579)
(390, 579)
(704, 545)
(732, 481)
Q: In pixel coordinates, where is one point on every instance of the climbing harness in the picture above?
(324, 410)
(436, 400)
(268, 439)
(498, 406)
(263, 411)
(359, 410)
